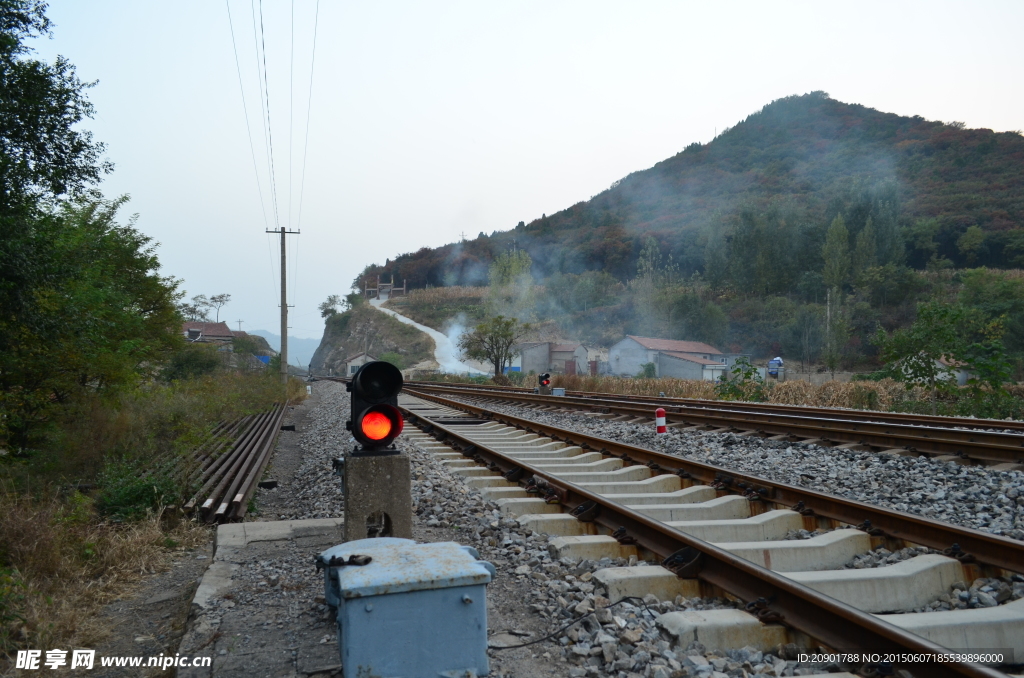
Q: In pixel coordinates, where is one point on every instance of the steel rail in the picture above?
(980, 445)
(1001, 552)
(229, 470)
(832, 623)
(779, 408)
(245, 490)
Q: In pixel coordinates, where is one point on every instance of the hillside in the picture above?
(363, 328)
(800, 160)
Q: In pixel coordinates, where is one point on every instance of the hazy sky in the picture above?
(429, 119)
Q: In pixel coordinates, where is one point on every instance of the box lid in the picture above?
(401, 567)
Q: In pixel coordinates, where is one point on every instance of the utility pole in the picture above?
(284, 305)
(239, 325)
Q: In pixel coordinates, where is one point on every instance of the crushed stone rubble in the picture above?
(971, 496)
(590, 635)
(316, 491)
(616, 640)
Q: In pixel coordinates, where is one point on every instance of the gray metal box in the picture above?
(415, 611)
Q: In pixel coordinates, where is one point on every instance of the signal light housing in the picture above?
(544, 379)
(376, 420)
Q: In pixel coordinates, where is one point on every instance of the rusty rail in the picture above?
(228, 467)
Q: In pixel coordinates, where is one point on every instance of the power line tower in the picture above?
(284, 303)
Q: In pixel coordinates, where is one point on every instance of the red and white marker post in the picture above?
(659, 420)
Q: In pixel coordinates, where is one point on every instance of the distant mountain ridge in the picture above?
(812, 157)
(300, 350)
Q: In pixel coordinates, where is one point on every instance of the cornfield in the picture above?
(440, 295)
(885, 395)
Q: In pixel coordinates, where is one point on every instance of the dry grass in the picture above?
(436, 295)
(62, 566)
(436, 306)
(885, 395)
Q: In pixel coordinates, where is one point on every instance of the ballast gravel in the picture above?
(589, 634)
(971, 496)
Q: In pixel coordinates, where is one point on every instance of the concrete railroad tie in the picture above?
(726, 522)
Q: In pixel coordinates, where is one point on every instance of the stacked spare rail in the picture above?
(995, 443)
(716, 531)
(226, 469)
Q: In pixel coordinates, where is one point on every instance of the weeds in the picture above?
(884, 395)
(59, 564)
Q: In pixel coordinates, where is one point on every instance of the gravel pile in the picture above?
(315, 491)
(972, 496)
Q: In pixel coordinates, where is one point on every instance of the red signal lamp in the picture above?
(380, 424)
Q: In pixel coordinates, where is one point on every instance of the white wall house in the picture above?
(671, 358)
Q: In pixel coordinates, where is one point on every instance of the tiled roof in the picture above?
(674, 345)
(359, 355)
(209, 329)
(564, 347)
(693, 359)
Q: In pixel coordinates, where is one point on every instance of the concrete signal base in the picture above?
(378, 495)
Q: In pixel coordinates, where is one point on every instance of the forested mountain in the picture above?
(752, 207)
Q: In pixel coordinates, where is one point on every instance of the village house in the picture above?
(546, 356)
(671, 358)
(352, 363)
(208, 333)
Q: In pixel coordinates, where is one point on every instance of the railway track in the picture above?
(719, 531)
(228, 466)
(999, 444)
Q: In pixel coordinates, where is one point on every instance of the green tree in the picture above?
(218, 301)
(396, 359)
(329, 307)
(44, 156)
(865, 252)
(941, 338)
(196, 309)
(494, 341)
(716, 260)
(837, 331)
(43, 152)
(836, 253)
(971, 243)
(104, 318)
(512, 283)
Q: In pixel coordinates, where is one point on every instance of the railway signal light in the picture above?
(376, 420)
(544, 379)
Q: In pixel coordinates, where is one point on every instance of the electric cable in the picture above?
(268, 138)
(270, 125)
(309, 103)
(245, 109)
(291, 114)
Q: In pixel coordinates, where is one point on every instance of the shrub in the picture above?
(195, 360)
(395, 359)
(129, 492)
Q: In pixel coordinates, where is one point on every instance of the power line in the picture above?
(245, 109)
(291, 112)
(309, 105)
(261, 77)
(270, 125)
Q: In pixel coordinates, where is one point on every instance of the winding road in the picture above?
(445, 352)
